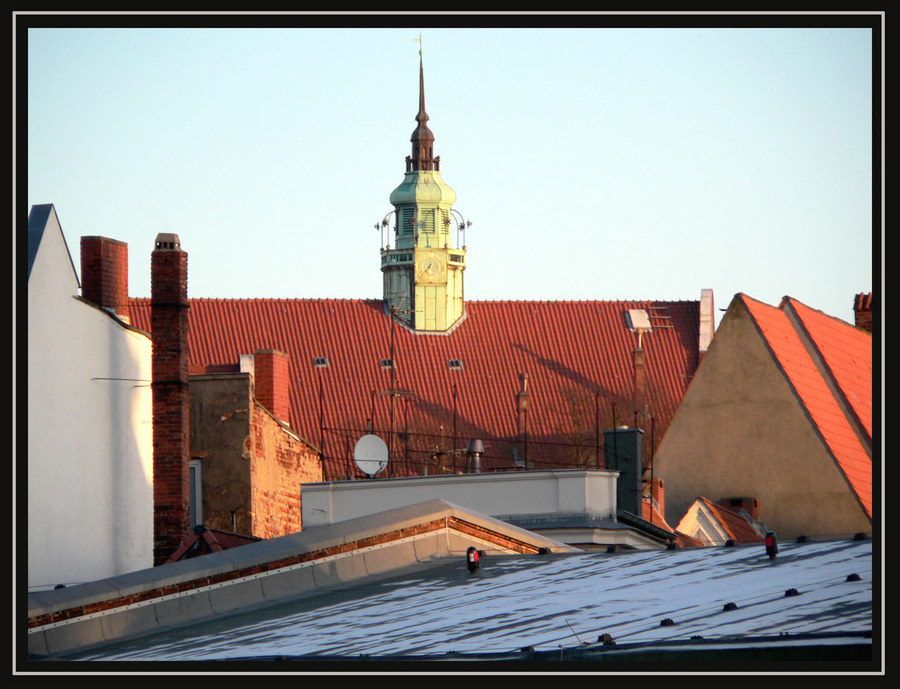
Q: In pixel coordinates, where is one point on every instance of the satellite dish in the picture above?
(370, 454)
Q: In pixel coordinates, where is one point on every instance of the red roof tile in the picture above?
(577, 354)
(651, 513)
(829, 337)
(847, 354)
(738, 528)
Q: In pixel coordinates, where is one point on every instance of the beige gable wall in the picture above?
(741, 432)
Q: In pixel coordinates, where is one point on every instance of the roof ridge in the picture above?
(823, 361)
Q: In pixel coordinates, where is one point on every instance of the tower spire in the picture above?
(422, 138)
(423, 272)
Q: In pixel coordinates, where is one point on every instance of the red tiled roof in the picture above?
(204, 541)
(847, 353)
(577, 354)
(843, 348)
(733, 523)
(651, 513)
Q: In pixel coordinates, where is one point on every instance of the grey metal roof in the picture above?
(38, 218)
(548, 603)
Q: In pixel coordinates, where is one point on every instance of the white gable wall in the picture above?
(90, 434)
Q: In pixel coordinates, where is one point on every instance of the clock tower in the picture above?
(423, 272)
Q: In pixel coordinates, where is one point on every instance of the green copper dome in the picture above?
(423, 187)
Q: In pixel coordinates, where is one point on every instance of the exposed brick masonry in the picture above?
(104, 274)
(171, 425)
(862, 308)
(279, 463)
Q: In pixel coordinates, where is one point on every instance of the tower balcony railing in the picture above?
(407, 241)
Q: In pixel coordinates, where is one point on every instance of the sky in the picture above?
(593, 163)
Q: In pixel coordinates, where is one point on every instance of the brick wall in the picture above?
(104, 273)
(279, 463)
(169, 334)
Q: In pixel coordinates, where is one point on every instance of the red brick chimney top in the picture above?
(104, 274)
(271, 372)
(862, 309)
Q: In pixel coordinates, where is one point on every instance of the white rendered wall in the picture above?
(90, 438)
(500, 494)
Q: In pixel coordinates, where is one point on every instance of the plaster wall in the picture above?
(252, 466)
(741, 431)
(90, 435)
(220, 423)
(497, 494)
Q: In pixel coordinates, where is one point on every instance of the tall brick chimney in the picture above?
(104, 274)
(169, 335)
(272, 382)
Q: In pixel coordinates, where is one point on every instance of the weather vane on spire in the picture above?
(419, 41)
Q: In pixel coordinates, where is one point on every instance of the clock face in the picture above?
(430, 267)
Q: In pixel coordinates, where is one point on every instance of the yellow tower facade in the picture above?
(423, 271)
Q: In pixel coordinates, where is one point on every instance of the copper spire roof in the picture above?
(422, 138)
(453, 387)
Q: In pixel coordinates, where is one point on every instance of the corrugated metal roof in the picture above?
(577, 354)
(811, 593)
(811, 387)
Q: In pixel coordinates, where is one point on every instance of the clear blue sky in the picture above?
(593, 163)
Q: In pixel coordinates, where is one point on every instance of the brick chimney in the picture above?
(749, 505)
(272, 382)
(862, 309)
(104, 274)
(637, 359)
(169, 335)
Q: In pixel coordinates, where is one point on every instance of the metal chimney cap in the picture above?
(475, 446)
(166, 241)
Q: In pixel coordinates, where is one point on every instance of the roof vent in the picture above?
(166, 241)
(455, 364)
(320, 362)
(387, 362)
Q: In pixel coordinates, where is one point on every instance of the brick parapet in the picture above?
(256, 569)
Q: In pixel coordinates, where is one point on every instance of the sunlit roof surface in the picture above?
(549, 602)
